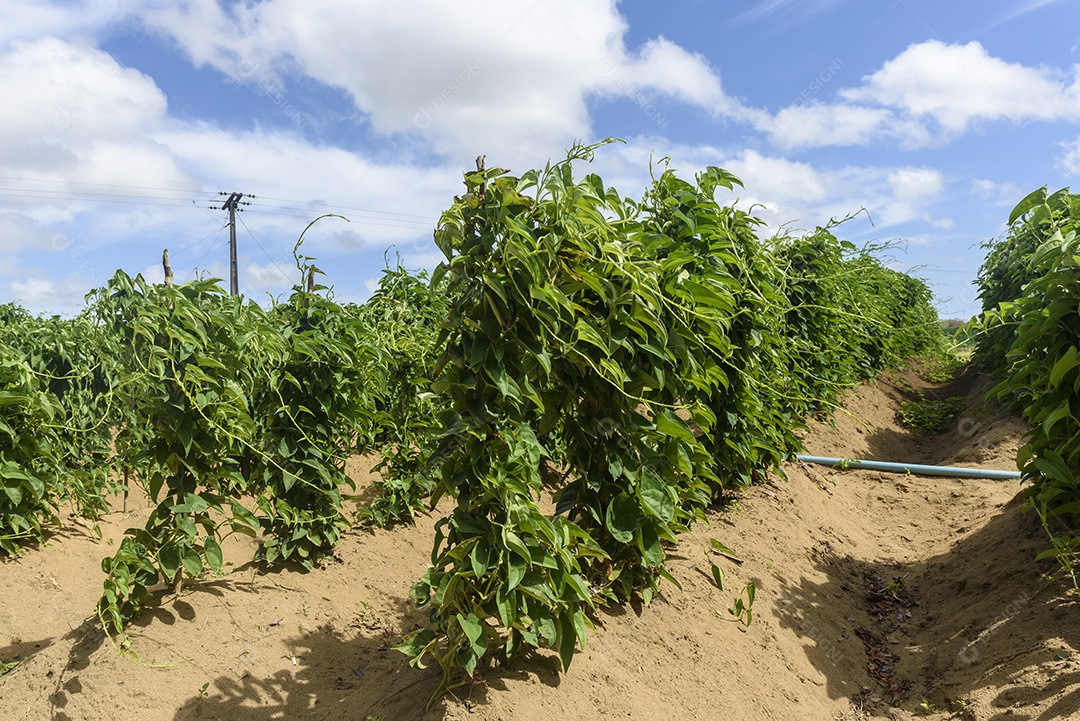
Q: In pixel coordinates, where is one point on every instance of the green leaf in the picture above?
(213, 554)
(1052, 465)
(718, 577)
(724, 550)
(655, 497)
(416, 644)
(192, 562)
(1064, 364)
(480, 558)
(567, 640)
(169, 559)
(515, 571)
(588, 334)
(1032, 199)
(671, 425)
(622, 517)
(1054, 416)
(474, 630)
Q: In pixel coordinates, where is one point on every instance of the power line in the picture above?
(346, 207)
(408, 225)
(195, 267)
(272, 261)
(192, 245)
(74, 196)
(99, 185)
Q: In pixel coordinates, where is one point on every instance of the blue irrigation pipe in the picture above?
(913, 468)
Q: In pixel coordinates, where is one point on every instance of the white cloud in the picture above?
(931, 93)
(41, 294)
(34, 18)
(767, 9)
(1070, 162)
(998, 193)
(819, 124)
(955, 85)
(58, 92)
(505, 79)
(915, 184)
(19, 231)
(270, 277)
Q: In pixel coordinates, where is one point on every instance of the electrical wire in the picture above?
(195, 267)
(345, 207)
(99, 185)
(272, 261)
(192, 245)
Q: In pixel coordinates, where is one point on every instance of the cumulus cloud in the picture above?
(1070, 161)
(34, 18)
(60, 91)
(41, 294)
(19, 231)
(931, 93)
(269, 277)
(997, 193)
(818, 124)
(505, 79)
(955, 85)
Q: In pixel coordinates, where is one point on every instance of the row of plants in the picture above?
(583, 376)
(609, 368)
(57, 392)
(1030, 336)
(232, 418)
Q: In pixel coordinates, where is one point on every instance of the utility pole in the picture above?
(231, 205)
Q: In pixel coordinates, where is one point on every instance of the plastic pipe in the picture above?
(913, 468)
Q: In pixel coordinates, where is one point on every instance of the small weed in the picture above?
(928, 415)
(742, 611)
(926, 707)
(6, 668)
(898, 584)
(203, 690)
(961, 707)
(1064, 549)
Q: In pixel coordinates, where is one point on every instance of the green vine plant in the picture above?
(1029, 334)
(638, 346)
(234, 404)
(742, 607)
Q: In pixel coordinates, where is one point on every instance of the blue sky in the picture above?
(122, 121)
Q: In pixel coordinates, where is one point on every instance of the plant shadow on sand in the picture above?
(355, 678)
(337, 674)
(979, 619)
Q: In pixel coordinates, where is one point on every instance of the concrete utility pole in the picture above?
(231, 205)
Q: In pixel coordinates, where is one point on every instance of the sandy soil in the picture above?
(878, 596)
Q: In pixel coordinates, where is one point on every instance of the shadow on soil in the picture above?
(339, 673)
(982, 615)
